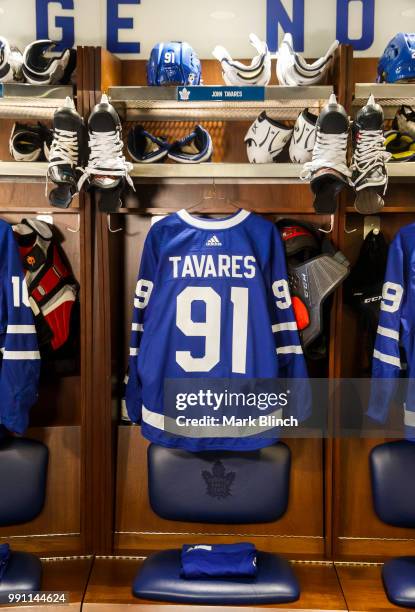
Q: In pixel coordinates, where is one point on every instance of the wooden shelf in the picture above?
(36, 102)
(401, 171)
(244, 173)
(389, 95)
(385, 210)
(219, 172)
(109, 589)
(25, 172)
(363, 589)
(161, 104)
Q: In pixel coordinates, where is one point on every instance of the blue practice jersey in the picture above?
(203, 561)
(394, 354)
(212, 301)
(19, 353)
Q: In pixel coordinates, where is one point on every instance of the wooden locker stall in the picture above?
(61, 535)
(361, 541)
(274, 191)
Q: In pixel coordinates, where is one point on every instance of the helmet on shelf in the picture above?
(398, 60)
(173, 63)
(43, 65)
(11, 62)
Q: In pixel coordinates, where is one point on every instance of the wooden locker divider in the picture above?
(304, 532)
(343, 72)
(98, 494)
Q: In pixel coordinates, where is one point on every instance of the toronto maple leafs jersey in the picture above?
(19, 354)
(394, 353)
(211, 301)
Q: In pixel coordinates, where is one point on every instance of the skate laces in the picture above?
(370, 151)
(106, 157)
(329, 152)
(64, 148)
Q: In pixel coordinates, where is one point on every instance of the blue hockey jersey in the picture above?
(211, 301)
(19, 354)
(394, 345)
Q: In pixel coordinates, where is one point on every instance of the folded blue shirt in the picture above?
(4, 558)
(219, 560)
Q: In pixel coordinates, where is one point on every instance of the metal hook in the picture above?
(347, 231)
(113, 231)
(78, 227)
(320, 229)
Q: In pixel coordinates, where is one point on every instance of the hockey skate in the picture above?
(327, 171)
(65, 154)
(369, 174)
(107, 168)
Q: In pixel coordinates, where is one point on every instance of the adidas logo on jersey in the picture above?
(214, 241)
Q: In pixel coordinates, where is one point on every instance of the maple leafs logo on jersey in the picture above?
(184, 94)
(218, 482)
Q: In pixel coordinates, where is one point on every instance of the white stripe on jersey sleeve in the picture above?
(133, 352)
(15, 355)
(286, 350)
(139, 327)
(21, 329)
(279, 327)
(388, 333)
(409, 418)
(395, 361)
(153, 418)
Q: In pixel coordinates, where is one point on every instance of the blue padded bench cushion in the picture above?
(219, 487)
(159, 579)
(23, 573)
(392, 467)
(23, 471)
(399, 581)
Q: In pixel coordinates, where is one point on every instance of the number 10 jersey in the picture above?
(211, 301)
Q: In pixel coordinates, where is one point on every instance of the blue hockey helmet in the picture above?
(173, 63)
(398, 60)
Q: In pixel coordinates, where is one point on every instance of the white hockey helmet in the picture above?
(265, 139)
(11, 61)
(292, 69)
(258, 72)
(40, 67)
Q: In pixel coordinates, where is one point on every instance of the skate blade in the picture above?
(61, 196)
(368, 201)
(110, 199)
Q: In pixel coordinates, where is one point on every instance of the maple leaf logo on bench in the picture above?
(218, 482)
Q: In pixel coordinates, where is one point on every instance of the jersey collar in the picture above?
(214, 224)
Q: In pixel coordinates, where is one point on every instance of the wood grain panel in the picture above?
(363, 589)
(109, 590)
(97, 475)
(355, 472)
(139, 526)
(61, 513)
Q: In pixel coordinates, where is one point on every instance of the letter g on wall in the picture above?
(66, 23)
